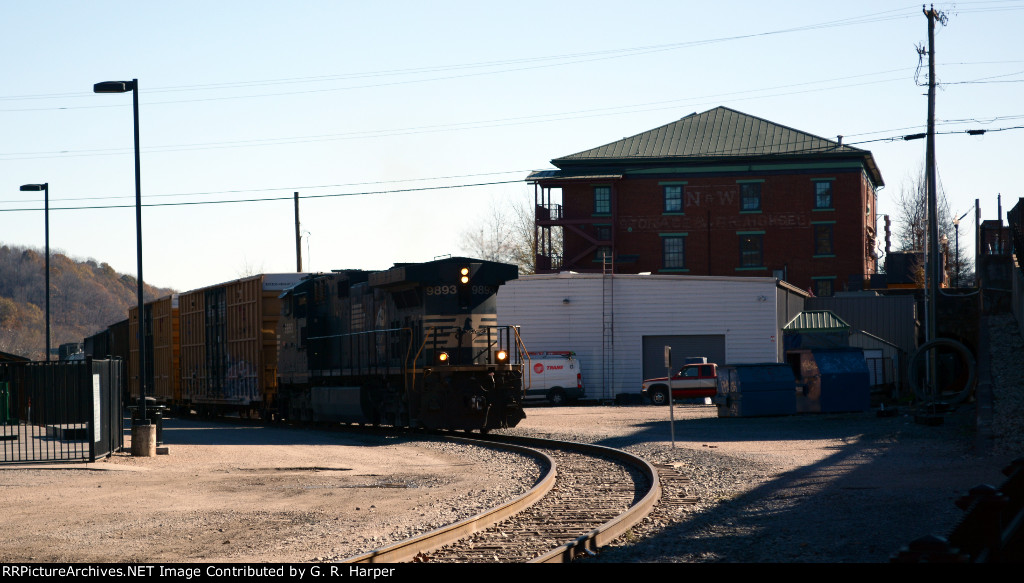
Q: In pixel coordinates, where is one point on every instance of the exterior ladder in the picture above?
(607, 328)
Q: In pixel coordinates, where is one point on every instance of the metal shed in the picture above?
(618, 325)
(816, 329)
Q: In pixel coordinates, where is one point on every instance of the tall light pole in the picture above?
(956, 231)
(45, 187)
(124, 87)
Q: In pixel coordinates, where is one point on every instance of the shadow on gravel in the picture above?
(186, 431)
(890, 482)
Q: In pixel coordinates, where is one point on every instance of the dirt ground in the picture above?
(228, 494)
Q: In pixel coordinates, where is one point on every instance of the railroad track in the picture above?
(588, 496)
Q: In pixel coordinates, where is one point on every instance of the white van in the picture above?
(554, 376)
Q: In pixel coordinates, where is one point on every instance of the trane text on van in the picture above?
(555, 377)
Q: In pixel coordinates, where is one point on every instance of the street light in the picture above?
(956, 231)
(944, 240)
(45, 187)
(124, 87)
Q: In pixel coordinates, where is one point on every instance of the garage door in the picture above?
(711, 346)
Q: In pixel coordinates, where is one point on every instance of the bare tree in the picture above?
(506, 234)
(491, 237)
(248, 269)
(911, 217)
(910, 223)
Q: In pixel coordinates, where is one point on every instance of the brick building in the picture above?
(715, 193)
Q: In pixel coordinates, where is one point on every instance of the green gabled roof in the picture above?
(816, 321)
(719, 134)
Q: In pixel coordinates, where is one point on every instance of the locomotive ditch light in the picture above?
(501, 356)
(442, 358)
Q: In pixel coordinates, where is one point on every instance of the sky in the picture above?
(402, 124)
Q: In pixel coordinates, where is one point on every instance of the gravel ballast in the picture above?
(850, 487)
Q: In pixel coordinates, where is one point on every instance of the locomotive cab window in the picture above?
(299, 306)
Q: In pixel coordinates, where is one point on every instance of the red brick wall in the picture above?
(786, 216)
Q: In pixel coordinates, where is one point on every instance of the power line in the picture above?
(514, 65)
(480, 124)
(287, 188)
(919, 136)
(734, 151)
(288, 198)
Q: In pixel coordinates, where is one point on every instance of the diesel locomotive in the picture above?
(416, 345)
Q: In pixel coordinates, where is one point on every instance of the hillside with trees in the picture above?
(85, 297)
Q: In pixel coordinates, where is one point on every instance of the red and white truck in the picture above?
(690, 381)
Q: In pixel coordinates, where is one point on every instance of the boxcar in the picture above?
(228, 340)
(161, 345)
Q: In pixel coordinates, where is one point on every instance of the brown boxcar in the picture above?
(161, 344)
(229, 344)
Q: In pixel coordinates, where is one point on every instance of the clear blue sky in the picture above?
(259, 99)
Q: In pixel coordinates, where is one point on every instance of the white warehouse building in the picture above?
(619, 325)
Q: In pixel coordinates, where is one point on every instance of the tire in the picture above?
(659, 396)
(917, 384)
(556, 397)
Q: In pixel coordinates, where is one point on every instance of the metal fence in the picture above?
(60, 411)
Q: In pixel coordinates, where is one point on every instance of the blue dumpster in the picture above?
(750, 390)
(833, 380)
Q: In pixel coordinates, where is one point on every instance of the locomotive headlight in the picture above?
(464, 275)
(443, 358)
(501, 356)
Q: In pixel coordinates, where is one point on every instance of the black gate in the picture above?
(60, 411)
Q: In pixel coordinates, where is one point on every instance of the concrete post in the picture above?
(143, 438)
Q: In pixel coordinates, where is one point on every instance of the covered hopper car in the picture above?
(416, 345)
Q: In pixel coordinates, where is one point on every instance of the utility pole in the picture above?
(930, 179)
(298, 238)
(933, 270)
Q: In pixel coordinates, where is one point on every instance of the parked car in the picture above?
(555, 377)
(691, 381)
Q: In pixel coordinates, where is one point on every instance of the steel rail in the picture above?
(408, 549)
(601, 536)
(588, 543)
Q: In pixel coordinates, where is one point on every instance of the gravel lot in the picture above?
(231, 493)
(806, 488)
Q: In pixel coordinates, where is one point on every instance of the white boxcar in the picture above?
(619, 325)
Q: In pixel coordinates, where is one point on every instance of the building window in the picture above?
(604, 251)
(751, 250)
(750, 196)
(824, 287)
(602, 199)
(603, 232)
(673, 252)
(823, 240)
(823, 195)
(673, 199)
